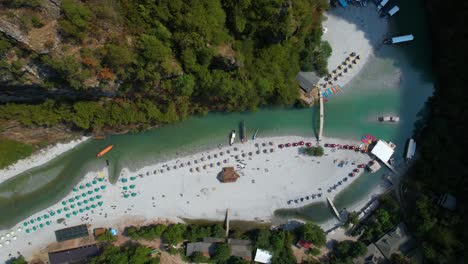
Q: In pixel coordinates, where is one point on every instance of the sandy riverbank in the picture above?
(270, 177)
(41, 157)
(352, 29)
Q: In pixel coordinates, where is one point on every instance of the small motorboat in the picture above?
(232, 137)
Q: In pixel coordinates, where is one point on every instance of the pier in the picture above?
(334, 208)
(321, 117)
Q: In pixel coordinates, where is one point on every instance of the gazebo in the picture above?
(228, 175)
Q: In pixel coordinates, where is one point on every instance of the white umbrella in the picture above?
(1, 245)
(19, 229)
(7, 235)
(2, 237)
(7, 242)
(12, 232)
(15, 237)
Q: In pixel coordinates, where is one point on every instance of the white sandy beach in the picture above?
(41, 157)
(352, 29)
(268, 181)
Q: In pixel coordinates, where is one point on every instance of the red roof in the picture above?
(304, 244)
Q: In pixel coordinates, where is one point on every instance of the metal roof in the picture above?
(383, 151)
(71, 233)
(73, 255)
(307, 80)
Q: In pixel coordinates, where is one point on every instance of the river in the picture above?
(397, 80)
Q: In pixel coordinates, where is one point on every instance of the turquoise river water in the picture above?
(397, 80)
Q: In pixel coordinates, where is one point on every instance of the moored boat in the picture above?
(389, 118)
(104, 151)
(243, 135)
(255, 134)
(232, 137)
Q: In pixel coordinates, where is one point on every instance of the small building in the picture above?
(373, 166)
(241, 251)
(71, 233)
(74, 255)
(241, 242)
(448, 201)
(307, 80)
(99, 231)
(213, 240)
(228, 175)
(262, 256)
(304, 244)
(373, 256)
(207, 249)
(397, 240)
(383, 150)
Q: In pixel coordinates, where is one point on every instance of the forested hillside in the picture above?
(441, 167)
(149, 62)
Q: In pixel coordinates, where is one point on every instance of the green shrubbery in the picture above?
(314, 151)
(11, 151)
(125, 254)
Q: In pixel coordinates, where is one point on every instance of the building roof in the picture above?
(242, 242)
(383, 151)
(307, 80)
(71, 233)
(213, 240)
(262, 256)
(448, 201)
(304, 244)
(242, 251)
(397, 240)
(206, 249)
(374, 166)
(228, 175)
(99, 231)
(73, 255)
(373, 256)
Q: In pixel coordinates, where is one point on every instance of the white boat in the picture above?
(399, 39)
(393, 11)
(389, 118)
(233, 136)
(382, 4)
(411, 149)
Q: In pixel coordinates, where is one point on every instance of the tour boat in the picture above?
(389, 118)
(104, 151)
(232, 137)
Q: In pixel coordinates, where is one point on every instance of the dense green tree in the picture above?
(312, 233)
(222, 253)
(196, 232)
(174, 234)
(77, 18)
(17, 260)
(198, 257)
(262, 239)
(218, 231)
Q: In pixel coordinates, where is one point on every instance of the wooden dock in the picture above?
(321, 117)
(330, 202)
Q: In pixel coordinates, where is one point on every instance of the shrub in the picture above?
(36, 22)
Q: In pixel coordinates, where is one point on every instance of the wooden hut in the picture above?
(228, 175)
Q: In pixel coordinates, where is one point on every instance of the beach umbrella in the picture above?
(32, 221)
(103, 187)
(134, 194)
(85, 201)
(77, 197)
(132, 178)
(87, 208)
(90, 192)
(125, 188)
(93, 206)
(132, 186)
(124, 180)
(71, 200)
(98, 196)
(72, 206)
(64, 202)
(79, 203)
(74, 213)
(65, 209)
(41, 225)
(45, 216)
(88, 184)
(19, 229)
(59, 211)
(75, 189)
(96, 189)
(125, 195)
(67, 215)
(91, 199)
(28, 231)
(34, 228)
(25, 223)
(94, 182)
(81, 210)
(15, 237)
(81, 187)
(83, 194)
(47, 223)
(38, 218)
(100, 203)
(100, 179)
(52, 213)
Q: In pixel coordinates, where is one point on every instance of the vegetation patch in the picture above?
(11, 151)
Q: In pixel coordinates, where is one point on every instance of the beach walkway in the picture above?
(321, 117)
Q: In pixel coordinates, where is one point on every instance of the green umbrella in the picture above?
(64, 202)
(77, 197)
(27, 230)
(134, 194)
(93, 206)
(103, 187)
(25, 223)
(74, 213)
(90, 192)
(68, 215)
(81, 187)
(59, 211)
(88, 184)
(65, 209)
(47, 223)
(132, 178)
(79, 203)
(98, 196)
(72, 206)
(45, 216)
(100, 179)
(125, 195)
(85, 201)
(52, 213)
(71, 200)
(38, 218)
(100, 203)
(87, 208)
(75, 189)
(132, 186)
(96, 189)
(34, 228)
(84, 194)
(124, 180)
(81, 210)
(32, 221)
(125, 188)
(94, 181)
(91, 199)
(41, 225)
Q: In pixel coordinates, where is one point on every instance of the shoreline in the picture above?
(38, 158)
(174, 192)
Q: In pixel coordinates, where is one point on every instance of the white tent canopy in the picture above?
(262, 256)
(383, 151)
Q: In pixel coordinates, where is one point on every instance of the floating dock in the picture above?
(333, 208)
